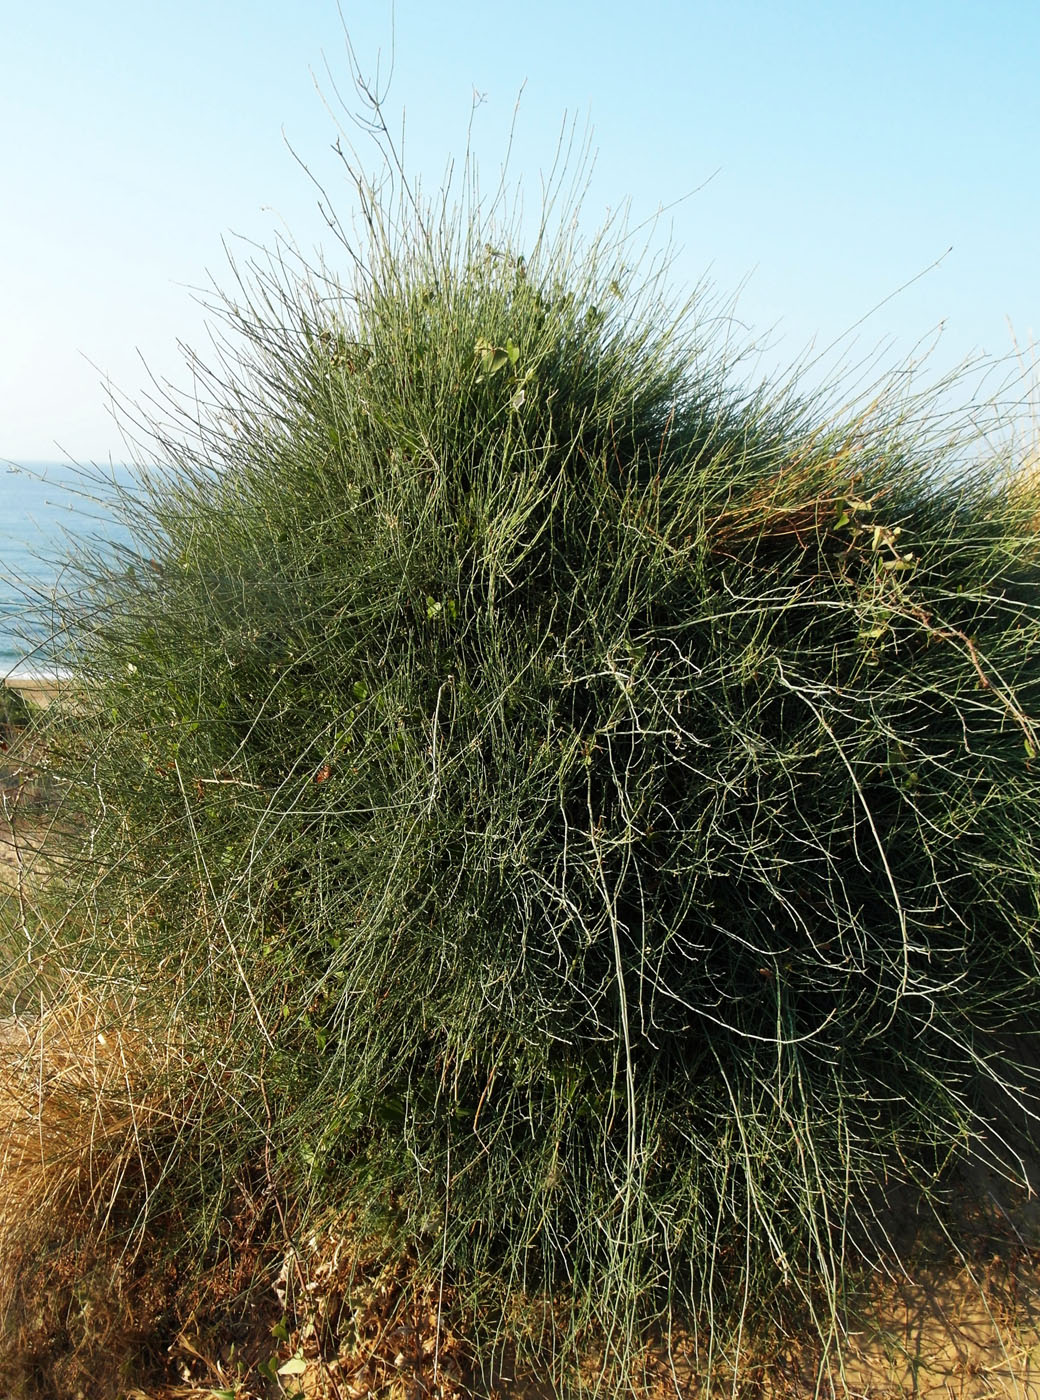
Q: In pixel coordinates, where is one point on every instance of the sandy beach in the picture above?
(38, 690)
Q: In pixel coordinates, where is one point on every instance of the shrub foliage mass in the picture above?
(584, 811)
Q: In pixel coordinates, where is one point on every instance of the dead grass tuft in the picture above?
(79, 1300)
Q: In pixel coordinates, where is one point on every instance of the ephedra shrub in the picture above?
(581, 814)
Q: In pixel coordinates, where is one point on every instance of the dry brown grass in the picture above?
(75, 1115)
(96, 1300)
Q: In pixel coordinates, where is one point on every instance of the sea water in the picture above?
(48, 510)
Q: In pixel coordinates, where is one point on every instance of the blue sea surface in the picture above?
(47, 511)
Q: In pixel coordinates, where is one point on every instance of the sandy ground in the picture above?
(948, 1327)
(36, 689)
(19, 784)
(16, 854)
(8, 859)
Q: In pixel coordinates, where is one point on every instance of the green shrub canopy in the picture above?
(588, 812)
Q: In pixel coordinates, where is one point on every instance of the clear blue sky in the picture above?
(851, 144)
